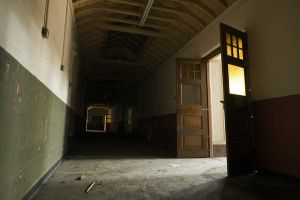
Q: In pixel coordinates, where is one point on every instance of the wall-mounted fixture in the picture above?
(45, 30)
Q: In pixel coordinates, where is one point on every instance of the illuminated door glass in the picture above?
(229, 50)
(240, 41)
(234, 43)
(236, 80)
(241, 54)
(235, 52)
(228, 38)
(191, 94)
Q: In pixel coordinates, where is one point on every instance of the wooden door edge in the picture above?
(209, 118)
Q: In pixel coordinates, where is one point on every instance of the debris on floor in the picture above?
(79, 178)
(90, 187)
(174, 165)
(100, 183)
(162, 170)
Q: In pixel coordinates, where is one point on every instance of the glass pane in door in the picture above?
(236, 80)
(191, 94)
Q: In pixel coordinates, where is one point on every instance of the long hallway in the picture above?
(149, 99)
(129, 169)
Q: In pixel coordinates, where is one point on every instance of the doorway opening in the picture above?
(216, 107)
(98, 119)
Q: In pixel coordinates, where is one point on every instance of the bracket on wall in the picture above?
(45, 30)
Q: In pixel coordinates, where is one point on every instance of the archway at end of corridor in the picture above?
(98, 119)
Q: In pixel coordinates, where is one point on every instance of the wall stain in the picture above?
(28, 108)
(19, 95)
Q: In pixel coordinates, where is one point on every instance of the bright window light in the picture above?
(236, 80)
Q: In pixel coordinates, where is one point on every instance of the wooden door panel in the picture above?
(192, 121)
(195, 109)
(192, 131)
(192, 142)
(236, 100)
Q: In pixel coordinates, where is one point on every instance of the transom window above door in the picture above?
(190, 72)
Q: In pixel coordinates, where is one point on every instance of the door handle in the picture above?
(222, 101)
(204, 109)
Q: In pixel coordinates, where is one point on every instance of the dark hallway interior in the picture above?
(116, 146)
(149, 99)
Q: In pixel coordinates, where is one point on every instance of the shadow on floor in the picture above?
(250, 187)
(113, 146)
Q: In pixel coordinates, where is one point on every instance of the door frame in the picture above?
(206, 63)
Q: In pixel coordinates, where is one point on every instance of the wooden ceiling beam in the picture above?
(85, 13)
(142, 5)
(170, 25)
(155, 64)
(161, 48)
(155, 53)
(91, 38)
(152, 56)
(120, 28)
(81, 3)
(90, 49)
(120, 20)
(223, 3)
(205, 9)
(89, 23)
(134, 30)
(91, 45)
(162, 9)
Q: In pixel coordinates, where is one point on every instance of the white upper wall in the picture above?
(21, 23)
(274, 47)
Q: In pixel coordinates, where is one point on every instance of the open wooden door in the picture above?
(236, 101)
(192, 125)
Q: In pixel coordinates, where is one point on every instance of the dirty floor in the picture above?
(130, 169)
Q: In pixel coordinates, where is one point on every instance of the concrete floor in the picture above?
(134, 170)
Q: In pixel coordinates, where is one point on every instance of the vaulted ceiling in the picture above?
(125, 40)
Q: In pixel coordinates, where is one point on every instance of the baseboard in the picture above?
(219, 150)
(33, 191)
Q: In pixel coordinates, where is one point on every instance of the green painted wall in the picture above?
(35, 126)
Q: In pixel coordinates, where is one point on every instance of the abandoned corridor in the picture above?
(149, 99)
